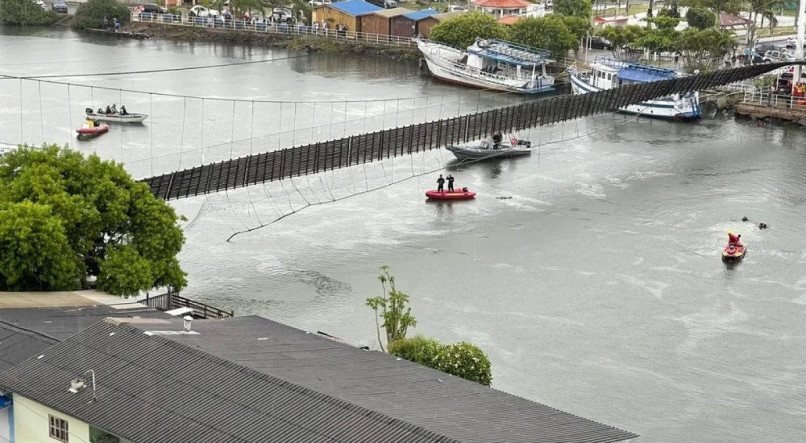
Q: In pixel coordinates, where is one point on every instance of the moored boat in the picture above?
(490, 64)
(116, 117)
(733, 253)
(494, 148)
(463, 194)
(607, 73)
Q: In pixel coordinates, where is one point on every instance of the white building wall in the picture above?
(31, 423)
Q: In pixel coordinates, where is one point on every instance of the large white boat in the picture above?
(606, 73)
(490, 64)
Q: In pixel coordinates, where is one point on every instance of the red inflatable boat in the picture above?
(733, 253)
(85, 131)
(455, 195)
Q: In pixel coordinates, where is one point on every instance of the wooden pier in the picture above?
(119, 34)
(781, 107)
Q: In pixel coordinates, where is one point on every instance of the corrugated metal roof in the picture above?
(419, 15)
(446, 405)
(252, 379)
(394, 12)
(355, 8)
(17, 345)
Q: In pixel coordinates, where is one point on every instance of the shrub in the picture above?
(549, 32)
(91, 14)
(25, 13)
(419, 349)
(463, 359)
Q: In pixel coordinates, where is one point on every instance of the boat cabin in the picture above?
(507, 59)
(609, 73)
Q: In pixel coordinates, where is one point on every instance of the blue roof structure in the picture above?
(642, 73)
(355, 8)
(419, 15)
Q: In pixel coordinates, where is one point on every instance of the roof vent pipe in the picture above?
(187, 321)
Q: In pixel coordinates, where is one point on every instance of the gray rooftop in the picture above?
(252, 379)
(31, 322)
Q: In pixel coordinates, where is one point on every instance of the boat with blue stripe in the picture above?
(607, 73)
(490, 64)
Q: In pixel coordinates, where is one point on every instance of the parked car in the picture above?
(280, 15)
(597, 42)
(315, 3)
(452, 8)
(388, 4)
(151, 8)
(778, 56)
(762, 48)
(201, 11)
(59, 6)
(792, 43)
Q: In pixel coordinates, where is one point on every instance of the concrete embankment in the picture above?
(292, 42)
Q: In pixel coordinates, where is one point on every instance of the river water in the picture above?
(589, 272)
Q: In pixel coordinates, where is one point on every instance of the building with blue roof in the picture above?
(347, 13)
(407, 25)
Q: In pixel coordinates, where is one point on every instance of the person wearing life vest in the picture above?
(734, 240)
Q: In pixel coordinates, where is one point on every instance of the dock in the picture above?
(781, 107)
(119, 34)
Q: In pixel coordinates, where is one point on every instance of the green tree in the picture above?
(576, 8)
(463, 359)
(461, 31)
(91, 14)
(664, 22)
(704, 49)
(700, 18)
(393, 307)
(25, 13)
(578, 26)
(622, 35)
(34, 251)
(549, 32)
(105, 216)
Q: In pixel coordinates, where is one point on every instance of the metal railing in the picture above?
(172, 300)
(277, 28)
(775, 100)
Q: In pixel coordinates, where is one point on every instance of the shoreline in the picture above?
(290, 42)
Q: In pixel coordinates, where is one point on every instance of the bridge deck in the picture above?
(364, 148)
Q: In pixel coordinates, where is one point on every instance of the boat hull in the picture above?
(732, 255)
(688, 110)
(441, 65)
(475, 153)
(92, 132)
(117, 118)
(450, 196)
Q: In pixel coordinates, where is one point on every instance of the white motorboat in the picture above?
(116, 117)
(490, 64)
(491, 148)
(606, 73)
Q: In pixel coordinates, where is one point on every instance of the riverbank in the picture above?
(290, 42)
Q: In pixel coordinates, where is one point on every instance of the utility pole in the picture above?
(799, 43)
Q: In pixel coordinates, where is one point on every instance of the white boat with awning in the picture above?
(490, 64)
(606, 73)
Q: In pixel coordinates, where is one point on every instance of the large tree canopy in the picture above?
(91, 14)
(65, 218)
(461, 31)
(549, 32)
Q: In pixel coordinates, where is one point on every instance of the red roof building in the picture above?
(500, 8)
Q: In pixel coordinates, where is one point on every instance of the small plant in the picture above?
(393, 307)
(462, 359)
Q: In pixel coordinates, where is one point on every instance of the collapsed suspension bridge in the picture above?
(364, 148)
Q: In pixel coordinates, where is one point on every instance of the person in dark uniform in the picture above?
(450, 183)
(440, 184)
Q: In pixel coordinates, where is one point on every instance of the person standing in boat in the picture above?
(114, 109)
(440, 184)
(123, 110)
(450, 183)
(734, 240)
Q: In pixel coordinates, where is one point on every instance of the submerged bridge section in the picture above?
(379, 145)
